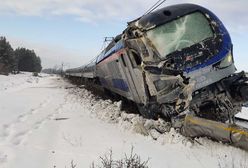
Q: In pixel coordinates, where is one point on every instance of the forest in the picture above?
(16, 60)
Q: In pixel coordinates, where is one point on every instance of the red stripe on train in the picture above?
(112, 57)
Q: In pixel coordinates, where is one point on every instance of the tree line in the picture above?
(20, 59)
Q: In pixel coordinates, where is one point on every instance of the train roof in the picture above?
(166, 14)
(84, 67)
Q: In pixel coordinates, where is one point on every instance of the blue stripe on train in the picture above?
(103, 82)
(116, 83)
(120, 84)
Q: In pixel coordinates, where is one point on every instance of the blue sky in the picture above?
(72, 31)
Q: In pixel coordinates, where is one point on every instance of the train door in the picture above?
(125, 75)
(132, 69)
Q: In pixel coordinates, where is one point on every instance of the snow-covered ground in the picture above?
(46, 122)
(243, 114)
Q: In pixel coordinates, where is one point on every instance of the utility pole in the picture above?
(62, 67)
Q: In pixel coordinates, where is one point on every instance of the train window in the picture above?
(122, 58)
(136, 58)
(180, 33)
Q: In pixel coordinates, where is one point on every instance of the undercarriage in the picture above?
(211, 112)
(222, 100)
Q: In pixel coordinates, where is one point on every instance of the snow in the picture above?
(47, 122)
(243, 114)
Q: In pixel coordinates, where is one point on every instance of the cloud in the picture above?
(51, 55)
(81, 9)
(233, 12)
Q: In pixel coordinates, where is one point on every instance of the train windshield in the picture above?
(180, 33)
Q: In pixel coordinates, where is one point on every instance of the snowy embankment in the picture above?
(46, 122)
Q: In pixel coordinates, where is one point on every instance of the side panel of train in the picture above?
(121, 73)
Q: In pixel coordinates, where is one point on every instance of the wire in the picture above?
(152, 7)
(155, 6)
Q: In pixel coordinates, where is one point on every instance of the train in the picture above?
(170, 62)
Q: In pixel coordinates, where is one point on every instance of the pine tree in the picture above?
(7, 58)
(28, 60)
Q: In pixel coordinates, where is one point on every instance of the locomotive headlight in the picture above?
(227, 61)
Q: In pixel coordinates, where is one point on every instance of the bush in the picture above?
(35, 74)
(129, 161)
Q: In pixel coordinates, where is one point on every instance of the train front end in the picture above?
(188, 63)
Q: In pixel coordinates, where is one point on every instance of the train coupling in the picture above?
(225, 132)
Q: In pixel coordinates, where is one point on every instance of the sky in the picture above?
(72, 31)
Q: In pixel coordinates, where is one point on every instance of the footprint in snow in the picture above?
(4, 132)
(38, 124)
(19, 137)
(3, 158)
(22, 117)
(45, 102)
(51, 116)
(33, 111)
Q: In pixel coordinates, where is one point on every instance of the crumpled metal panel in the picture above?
(228, 133)
(239, 136)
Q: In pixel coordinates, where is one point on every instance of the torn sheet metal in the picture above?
(227, 133)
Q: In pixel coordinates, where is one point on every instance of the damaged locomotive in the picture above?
(173, 62)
